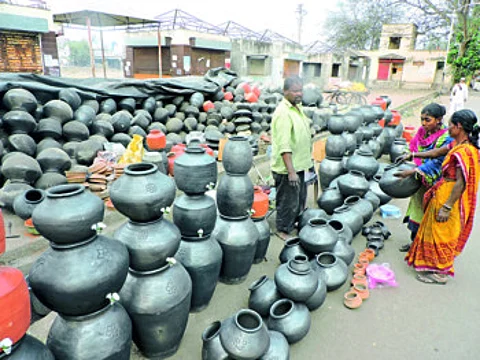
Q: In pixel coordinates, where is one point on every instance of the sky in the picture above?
(256, 15)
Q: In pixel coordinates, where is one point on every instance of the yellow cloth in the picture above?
(134, 152)
(290, 133)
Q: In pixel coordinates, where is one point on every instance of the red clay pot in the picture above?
(352, 300)
(156, 140)
(228, 96)
(260, 203)
(251, 97)
(14, 304)
(207, 105)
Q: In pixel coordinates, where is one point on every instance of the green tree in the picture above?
(79, 53)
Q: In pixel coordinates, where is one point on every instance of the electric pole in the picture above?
(301, 12)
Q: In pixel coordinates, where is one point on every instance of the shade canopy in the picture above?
(101, 19)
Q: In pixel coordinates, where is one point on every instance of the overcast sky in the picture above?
(256, 15)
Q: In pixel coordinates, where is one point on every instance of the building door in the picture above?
(291, 67)
(383, 70)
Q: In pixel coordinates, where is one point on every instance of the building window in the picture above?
(418, 63)
(311, 70)
(394, 43)
(440, 65)
(335, 70)
(256, 66)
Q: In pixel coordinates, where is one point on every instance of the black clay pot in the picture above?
(335, 146)
(19, 122)
(353, 183)
(195, 216)
(318, 297)
(28, 348)
(334, 269)
(237, 156)
(212, 348)
(59, 110)
(152, 314)
(375, 147)
(19, 167)
(317, 236)
(289, 318)
(330, 168)
(50, 179)
(20, 99)
(149, 244)
(244, 335)
(263, 293)
(361, 206)
(235, 195)
(330, 199)
(238, 239)
(103, 127)
(10, 191)
(22, 143)
(399, 187)
(363, 161)
(67, 214)
(142, 192)
(89, 271)
(203, 261)
(369, 115)
(108, 106)
(350, 141)
(343, 232)
(309, 214)
(375, 189)
(24, 204)
(104, 334)
(336, 124)
(343, 250)
(296, 280)
(278, 349)
(373, 199)
(389, 135)
(54, 160)
(121, 121)
(348, 217)
(75, 131)
(195, 171)
(49, 127)
(397, 149)
(85, 114)
(127, 104)
(48, 143)
(71, 97)
(263, 239)
(353, 119)
(291, 248)
(94, 104)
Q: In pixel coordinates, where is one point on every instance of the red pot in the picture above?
(395, 119)
(2, 234)
(251, 97)
(228, 96)
(207, 105)
(156, 140)
(256, 91)
(176, 151)
(14, 304)
(246, 87)
(208, 150)
(380, 102)
(260, 203)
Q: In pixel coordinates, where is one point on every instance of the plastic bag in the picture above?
(380, 275)
(134, 152)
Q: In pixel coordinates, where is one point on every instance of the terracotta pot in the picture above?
(260, 203)
(352, 300)
(359, 268)
(362, 290)
(156, 140)
(369, 253)
(359, 279)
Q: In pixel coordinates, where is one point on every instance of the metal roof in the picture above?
(101, 19)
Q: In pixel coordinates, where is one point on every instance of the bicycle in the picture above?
(336, 96)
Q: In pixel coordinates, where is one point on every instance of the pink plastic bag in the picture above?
(380, 275)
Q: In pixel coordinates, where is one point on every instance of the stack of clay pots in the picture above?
(235, 230)
(158, 289)
(79, 277)
(195, 214)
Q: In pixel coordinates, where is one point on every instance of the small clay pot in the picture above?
(362, 290)
(359, 279)
(352, 300)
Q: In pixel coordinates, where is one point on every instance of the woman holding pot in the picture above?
(449, 204)
(432, 134)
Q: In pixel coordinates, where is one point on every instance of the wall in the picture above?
(20, 52)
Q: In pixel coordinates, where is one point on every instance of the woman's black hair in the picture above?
(468, 119)
(435, 110)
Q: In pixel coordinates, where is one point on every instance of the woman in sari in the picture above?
(432, 134)
(449, 205)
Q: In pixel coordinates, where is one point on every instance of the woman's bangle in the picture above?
(446, 207)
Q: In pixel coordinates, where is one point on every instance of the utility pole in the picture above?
(301, 12)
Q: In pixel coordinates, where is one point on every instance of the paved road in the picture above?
(412, 321)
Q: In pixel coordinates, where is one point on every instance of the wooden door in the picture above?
(383, 71)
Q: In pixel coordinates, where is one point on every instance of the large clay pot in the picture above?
(237, 156)
(374, 199)
(19, 122)
(19, 167)
(212, 348)
(334, 269)
(49, 127)
(398, 148)
(67, 214)
(244, 335)
(15, 304)
(89, 271)
(24, 204)
(317, 236)
(142, 193)
(48, 143)
(309, 214)
(343, 250)
(363, 161)
(104, 334)
(203, 261)
(289, 318)
(50, 179)
(71, 97)
(54, 160)
(195, 216)
(195, 171)
(335, 146)
(330, 168)
(399, 187)
(350, 141)
(75, 131)
(353, 183)
(22, 143)
(353, 119)
(263, 239)
(149, 244)
(153, 315)
(368, 113)
(156, 140)
(20, 99)
(336, 124)
(85, 114)
(235, 195)
(263, 293)
(238, 239)
(343, 232)
(348, 217)
(291, 249)
(59, 110)
(375, 188)
(389, 135)
(375, 147)
(29, 348)
(330, 199)
(278, 349)
(361, 206)
(295, 280)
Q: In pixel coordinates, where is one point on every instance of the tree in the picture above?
(79, 53)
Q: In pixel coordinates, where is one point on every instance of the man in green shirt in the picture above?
(291, 156)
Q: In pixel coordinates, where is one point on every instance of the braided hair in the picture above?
(468, 119)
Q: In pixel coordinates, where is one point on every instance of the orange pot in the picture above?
(362, 290)
(359, 268)
(369, 253)
(251, 97)
(14, 304)
(207, 105)
(228, 96)
(359, 279)
(156, 140)
(260, 203)
(352, 299)
(380, 102)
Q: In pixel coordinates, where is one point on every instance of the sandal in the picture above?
(405, 247)
(432, 278)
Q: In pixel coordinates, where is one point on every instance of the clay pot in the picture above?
(10, 191)
(352, 300)
(203, 261)
(399, 187)
(295, 279)
(363, 161)
(353, 119)
(29, 348)
(149, 244)
(369, 115)
(334, 269)
(373, 199)
(336, 124)
(237, 156)
(263, 293)
(361, 206)
(235, 195)
(291, 249)
(343, 232)
(104, 334)
(375, 189)
(22, 143)
(263, 239)
(348, 217)
(278, 349)
(260, 203)
(20, 99)
(156, 140)
(330, 199)
(335, 146)
(71, 97)
(195, 216)
(330, 168)
(309, 214)
(49, 127)
(75, 131)
(142, 192)
(67, 214)
(362, 290)
(291, 319)
(359, 279)
(398, 148)
(152, 314)
(319, 296)
(24, 204)
(90, 270)
(121, 121)
(212, 348)
(54, 160)
(353, 183)
(350, 141)
(19, 122)
(343, 250)
(317, 236)
(195, 171)
(85, 114)
(59, 110)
